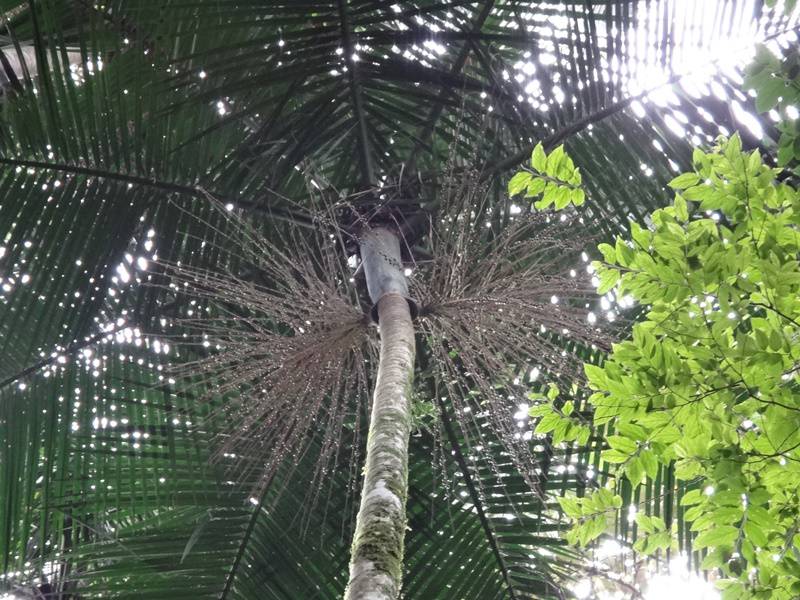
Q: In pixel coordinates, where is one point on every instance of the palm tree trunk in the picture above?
(376, 561)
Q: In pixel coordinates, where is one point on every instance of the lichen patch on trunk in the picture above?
(376, 562)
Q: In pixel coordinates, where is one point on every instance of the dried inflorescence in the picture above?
(289, 348)
(498, 301)
(284, 345)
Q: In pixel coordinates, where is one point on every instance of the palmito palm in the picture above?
(104, 466)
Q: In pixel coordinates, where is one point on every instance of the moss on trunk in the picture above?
(376, 561)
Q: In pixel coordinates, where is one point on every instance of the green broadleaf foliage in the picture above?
(519, 183)
(722, 535)
(539, 158)
(685, 180)
(775, 82)
(709, 381)
(552, 176)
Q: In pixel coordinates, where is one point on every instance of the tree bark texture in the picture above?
(376, 561)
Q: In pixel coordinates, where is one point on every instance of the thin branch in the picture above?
(777, 312)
